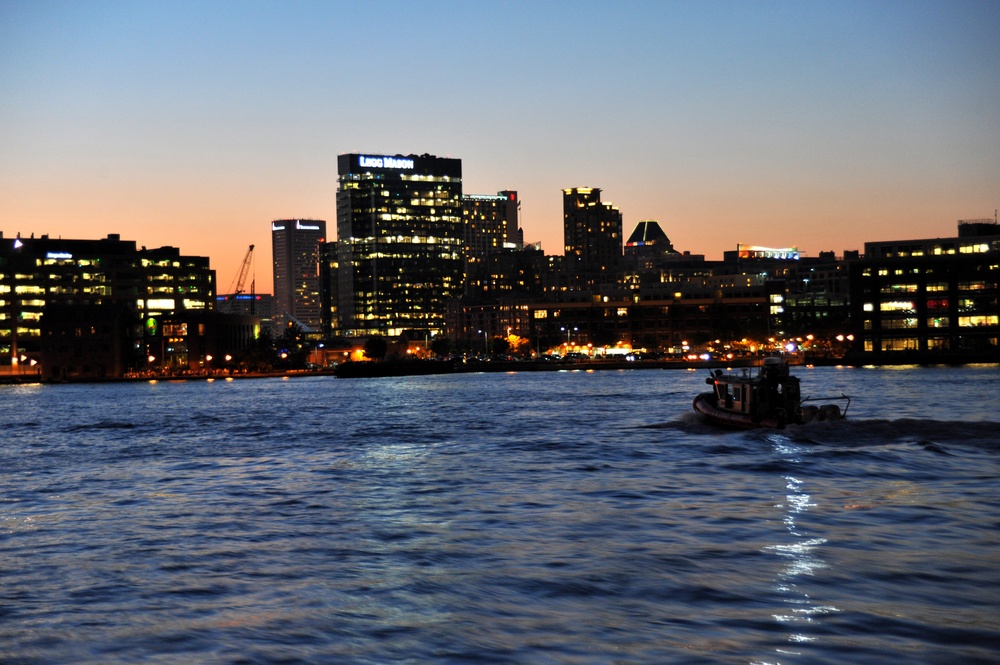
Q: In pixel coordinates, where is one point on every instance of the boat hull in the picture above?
(705, 405)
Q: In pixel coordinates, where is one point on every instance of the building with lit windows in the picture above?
(930, 298)
(490, 225)
(296, 246)
(329, 274)
(156, 285)
(400, 243)
(668, 325)
(814, 296)
(593, 237)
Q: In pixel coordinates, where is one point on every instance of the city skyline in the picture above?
(791, 124)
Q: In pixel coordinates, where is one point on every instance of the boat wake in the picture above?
(935, 436)
(693, 423)
(928, 433)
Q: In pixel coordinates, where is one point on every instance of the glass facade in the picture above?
(400, 250)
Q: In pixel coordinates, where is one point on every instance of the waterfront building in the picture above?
(400, 243)
(295, 244)
(38, 272)
(668, 324)
(86, 342)
(935, 297)
(101, 341)
(813, 296)
(593, 237)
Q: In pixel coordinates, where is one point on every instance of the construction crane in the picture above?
(236, 288)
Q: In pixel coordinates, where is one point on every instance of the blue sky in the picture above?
(814, 124)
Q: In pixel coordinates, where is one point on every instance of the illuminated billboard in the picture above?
(755, 252)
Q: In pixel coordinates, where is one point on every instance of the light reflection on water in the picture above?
(565, 517)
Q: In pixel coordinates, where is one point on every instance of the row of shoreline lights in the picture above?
(152, 359)
(17, 361)
(790, 345)
(801, 342)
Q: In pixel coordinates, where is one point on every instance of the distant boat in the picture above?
(770, 398)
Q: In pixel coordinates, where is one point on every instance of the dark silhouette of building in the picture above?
(87, 342)
(296, 248)
(260, 305)
(593, 237)
(648, 247)
(329, 275)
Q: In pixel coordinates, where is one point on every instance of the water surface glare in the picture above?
(570, 517)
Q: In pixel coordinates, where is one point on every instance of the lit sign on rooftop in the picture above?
(371, 162)
(299, 226)
(58, 255)
(487, 197)
(754, 252)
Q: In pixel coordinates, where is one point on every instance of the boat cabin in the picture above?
(771, 393)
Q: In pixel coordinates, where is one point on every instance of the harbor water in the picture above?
(538, 517)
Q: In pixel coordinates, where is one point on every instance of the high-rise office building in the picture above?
(593, 236)
(399, 243)
(296, 246)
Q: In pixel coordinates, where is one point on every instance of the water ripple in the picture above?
(544, 518)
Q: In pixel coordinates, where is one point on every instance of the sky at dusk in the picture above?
(820, 125)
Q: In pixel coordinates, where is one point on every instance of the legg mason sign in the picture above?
(379, 162)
